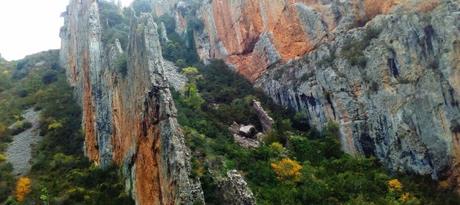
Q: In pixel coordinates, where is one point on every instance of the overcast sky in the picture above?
(30, 26)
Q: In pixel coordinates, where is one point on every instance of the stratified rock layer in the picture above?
(129, 118)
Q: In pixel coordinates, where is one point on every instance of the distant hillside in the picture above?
(46, 59)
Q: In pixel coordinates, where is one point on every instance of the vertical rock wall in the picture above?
(254, 35)
(390, 85)
(129, 118)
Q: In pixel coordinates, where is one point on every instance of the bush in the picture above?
(115, 24)
(353, 49)
(142, 6)
(7, 180)
(121, 64)
(169, 22)
(287, 170)
(21, 127)
(22, 188)
(49, 77)
(22, 93)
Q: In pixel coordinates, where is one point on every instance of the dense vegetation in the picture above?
(293, 166)
(60, 173)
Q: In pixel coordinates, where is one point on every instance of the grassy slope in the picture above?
(60, 173)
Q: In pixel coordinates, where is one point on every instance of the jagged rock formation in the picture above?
(129, 117)
(235, 190)
(245, 136)
(386, 71)
(265, 120)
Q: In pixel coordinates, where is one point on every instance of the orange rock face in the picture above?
(236, 27)
(88, 112)
(148, 176)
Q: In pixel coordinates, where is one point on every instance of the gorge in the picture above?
(265, 101)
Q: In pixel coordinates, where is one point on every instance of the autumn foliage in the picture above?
(287, 170)
(22, 188)
(394, 185)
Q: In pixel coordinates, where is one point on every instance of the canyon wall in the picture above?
(253, 35)
(391, 85)
(129, 117)
(386, 71)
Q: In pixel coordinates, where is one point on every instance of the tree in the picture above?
(394, 185)
(192, 73)
(3, 129)
(193, 98)
(2, 158)
(22, 188)
(142, 6)
(287, 170)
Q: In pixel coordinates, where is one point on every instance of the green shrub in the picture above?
(121, 64)
(169, 22)
(142, 6)
(21, 127)
(49, 77)
(353, 49)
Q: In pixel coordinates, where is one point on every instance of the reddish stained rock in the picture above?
(88, 114)
(236, 27)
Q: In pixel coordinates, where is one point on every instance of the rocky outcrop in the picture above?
(129, 117)
(235, 190)
(245, 136)
(391, 85)
(265, 120)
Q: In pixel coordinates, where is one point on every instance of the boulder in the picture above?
(248, 131)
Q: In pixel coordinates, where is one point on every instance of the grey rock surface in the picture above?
(265, 120)
(174, 77)
(235, 190)
(248, 131)
(19, 151)
(392, 86)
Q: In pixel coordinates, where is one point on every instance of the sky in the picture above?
(31, 26)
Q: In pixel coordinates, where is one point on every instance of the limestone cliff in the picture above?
(253, 35)
(392, 85)
(129, 117)
(386, 71)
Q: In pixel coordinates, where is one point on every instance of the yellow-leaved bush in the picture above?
(394, 185)
(54, 125)
(287, 170)
(22, 188)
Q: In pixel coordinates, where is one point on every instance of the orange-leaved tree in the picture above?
(22, 188)
(287, 170)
